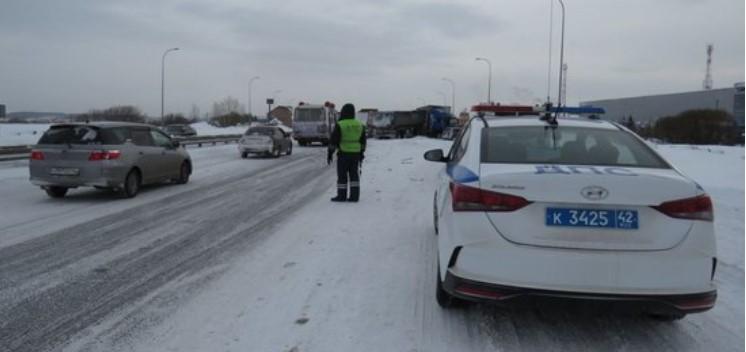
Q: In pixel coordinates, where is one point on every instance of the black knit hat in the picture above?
(348, 112)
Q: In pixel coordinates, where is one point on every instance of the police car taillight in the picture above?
(696, 208)
(465, 198)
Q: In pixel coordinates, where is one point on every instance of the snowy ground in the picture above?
(310, 275)
(21, 133)
(29, 133)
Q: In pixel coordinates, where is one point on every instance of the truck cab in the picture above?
(314, 123)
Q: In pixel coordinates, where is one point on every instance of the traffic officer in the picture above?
(348, 138)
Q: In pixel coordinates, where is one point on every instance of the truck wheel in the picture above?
(56, 191)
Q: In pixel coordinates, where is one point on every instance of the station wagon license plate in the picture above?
(599, 218)
(64, 171)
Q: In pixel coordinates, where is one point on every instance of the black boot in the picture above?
(354, 194)
(341, 195)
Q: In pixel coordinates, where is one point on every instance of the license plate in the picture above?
(599, 218)
(64, 171)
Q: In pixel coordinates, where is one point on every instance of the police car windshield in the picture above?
(308, 115)
(567, 145)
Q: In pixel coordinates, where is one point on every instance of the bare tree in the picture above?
(227, 106)
(194, 115)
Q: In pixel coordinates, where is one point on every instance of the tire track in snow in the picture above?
(223, 219)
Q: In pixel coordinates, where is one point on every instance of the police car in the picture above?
(570, 207)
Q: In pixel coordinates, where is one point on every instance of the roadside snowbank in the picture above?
(29, 133)
(21, 133)
(205, 129)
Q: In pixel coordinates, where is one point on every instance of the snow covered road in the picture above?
(215, 266)
(66, 264)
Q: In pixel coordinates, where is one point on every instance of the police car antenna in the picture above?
(547, 116)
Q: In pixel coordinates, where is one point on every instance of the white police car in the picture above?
(581, 208)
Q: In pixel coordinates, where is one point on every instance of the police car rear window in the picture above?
(567, 145)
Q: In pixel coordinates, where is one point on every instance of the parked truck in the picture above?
(314, 123)
(437, 119)
(397, 124)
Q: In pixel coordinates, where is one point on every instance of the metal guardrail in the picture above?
(20, 152)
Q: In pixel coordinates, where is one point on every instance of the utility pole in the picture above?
(250, 97)
(707, 84)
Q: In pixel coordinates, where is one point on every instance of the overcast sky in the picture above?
(74, 55)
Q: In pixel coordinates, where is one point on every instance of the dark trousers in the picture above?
(348, 173)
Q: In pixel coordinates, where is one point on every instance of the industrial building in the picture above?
(646, 109)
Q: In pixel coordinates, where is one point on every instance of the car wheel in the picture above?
(435, 213)
(131, 184)
(183, 173)
(290, 150)
(244, 155)
(445, 299)
(276, 152)
(56, 191)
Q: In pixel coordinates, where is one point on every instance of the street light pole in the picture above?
(163, 78)
(250, 82)
(489, 78)
(453, 94)
(562, 57)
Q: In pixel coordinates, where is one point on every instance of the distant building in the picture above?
(652, 107)
(2, 111)
(283, 113)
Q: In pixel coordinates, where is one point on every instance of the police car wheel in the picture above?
(445, 299)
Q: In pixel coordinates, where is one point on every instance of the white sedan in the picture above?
(581, 208)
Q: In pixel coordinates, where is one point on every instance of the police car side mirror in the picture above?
(435, 155)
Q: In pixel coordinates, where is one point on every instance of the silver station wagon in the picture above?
(107, 155)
